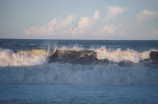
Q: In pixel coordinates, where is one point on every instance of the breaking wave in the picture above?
(67, 73)
(75, 56)
(78, 66)
(22, 58)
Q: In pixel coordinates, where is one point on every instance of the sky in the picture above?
(79, 19)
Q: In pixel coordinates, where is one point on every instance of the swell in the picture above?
(100, 56)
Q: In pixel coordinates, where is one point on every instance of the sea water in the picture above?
(78, 71)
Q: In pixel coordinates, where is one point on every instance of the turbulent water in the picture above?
(79, 62)
(78, 71)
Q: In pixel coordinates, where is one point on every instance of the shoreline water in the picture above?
(72, 93)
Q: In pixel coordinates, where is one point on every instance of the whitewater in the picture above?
(73, 67)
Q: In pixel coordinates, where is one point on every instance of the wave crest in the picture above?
(119, 55)
(77, 56)
(22, 58)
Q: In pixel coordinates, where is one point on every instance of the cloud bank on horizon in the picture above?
(97, 26)
(60, 26)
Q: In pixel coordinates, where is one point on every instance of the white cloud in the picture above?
(52, 27)
(153, 32)
(146, 14)
(84, 24)
(64, 26)
(96, 15)
(108, 29)
(111, 30)
(114, 11)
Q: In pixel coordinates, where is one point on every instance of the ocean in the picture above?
(78, 71)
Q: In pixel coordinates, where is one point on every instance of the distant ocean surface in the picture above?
(78, 71)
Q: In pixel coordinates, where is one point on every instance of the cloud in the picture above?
(108, 29)
(153, 32)
(64, 26)
(52, 27)
(146, 14)
(96, 15)
(84, 24)
(114, 11)
(111, 30)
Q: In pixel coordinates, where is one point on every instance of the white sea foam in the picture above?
(39, 56)
(22, 58)
(111, 74)
(119, 55)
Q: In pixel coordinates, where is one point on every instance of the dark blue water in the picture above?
(138, 45)
(77, 94)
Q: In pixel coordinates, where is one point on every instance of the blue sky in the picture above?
(79, 19)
